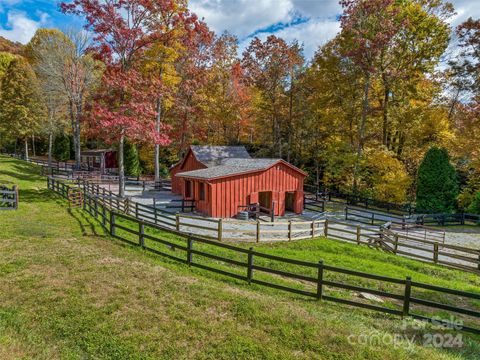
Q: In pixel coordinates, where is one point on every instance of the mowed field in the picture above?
(69, 291)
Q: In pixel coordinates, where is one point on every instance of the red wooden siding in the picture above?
(224, 196)
(189, 163)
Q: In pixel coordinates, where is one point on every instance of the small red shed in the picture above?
(104, 160)
(222, 190)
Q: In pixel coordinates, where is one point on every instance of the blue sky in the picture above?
(312, 22)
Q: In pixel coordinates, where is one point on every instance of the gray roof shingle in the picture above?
(213, 155)
(230, 166)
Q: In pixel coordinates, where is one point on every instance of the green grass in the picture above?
(69, 291)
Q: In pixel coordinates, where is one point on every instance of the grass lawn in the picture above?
(69, 291)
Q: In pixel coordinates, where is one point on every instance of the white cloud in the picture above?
(242, 17)
(21, 28)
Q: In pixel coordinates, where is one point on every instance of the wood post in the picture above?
(435, 253)
(141, 232)
(325, 228)
(406, 299)
(320, 280)
(395, 245)
(112, 223)
(346, 213)
(220, 230)
(258, 231)
(359, 229)
(15, 189)
(289, 230)
(313, 228)
(189, 250)
(177, 222)
(250, 266)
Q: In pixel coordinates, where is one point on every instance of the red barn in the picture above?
(220, 187)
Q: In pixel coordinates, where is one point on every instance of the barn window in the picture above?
(202, 191)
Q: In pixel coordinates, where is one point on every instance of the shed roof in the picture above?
(234, 166)
(213, 155)
(95, 151)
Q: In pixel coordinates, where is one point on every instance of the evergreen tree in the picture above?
(437, 184)
(132, 162)
(61, 148)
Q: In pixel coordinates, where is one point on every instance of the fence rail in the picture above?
(423, 243)
(8, 197)
(115, 223)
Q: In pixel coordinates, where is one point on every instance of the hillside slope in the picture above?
(69, 291)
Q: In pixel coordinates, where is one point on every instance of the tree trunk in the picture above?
(386, 99)
(121, 168)
(361, 131)
(157, 146)
(50, 147)
(33, 145)
(26, 148)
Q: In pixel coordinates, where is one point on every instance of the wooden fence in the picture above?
(411, 246)
(422, 244)
(8, 197)
(148, 236)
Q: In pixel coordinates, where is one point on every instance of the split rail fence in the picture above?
(419, 243)
(8, 197)
(311, 279)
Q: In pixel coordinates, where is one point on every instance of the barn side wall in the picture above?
(190, 163)
(229, 193)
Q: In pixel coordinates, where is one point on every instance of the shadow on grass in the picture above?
(35, 196)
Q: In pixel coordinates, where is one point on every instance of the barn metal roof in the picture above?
(213, 155)
(233, 166)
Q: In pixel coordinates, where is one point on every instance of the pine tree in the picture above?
(61, 148)
(132, 163)
(437, 184)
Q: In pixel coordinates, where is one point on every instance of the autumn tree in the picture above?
(267, 66)
(68, 75)
(21, 107)
(123, 107)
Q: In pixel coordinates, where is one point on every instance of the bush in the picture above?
(437, 183)
(132, 163)
(61, 148)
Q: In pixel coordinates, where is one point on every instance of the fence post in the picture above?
(177, 222)
(395, 246)
(141, 232)
(289, 230)
(406, 299)
(313, 228)
(258, 231)
(359, 229)
(373, 218)
(136, 210)
(325, 228)
(189, 250)
(250, 265)
(435, 253)
(112, 223)
(346, 213)
(320, 280)
(272, 213)
(104, 216)
(15, 189)
(220, 229)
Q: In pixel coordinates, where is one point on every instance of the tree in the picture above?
(68, 75)
(123, 106)
(21, 107)
(61, 148)
(437, 183)
(132, 163)
(367, 29)
(267, 65)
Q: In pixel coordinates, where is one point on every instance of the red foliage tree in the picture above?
(123, 31)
